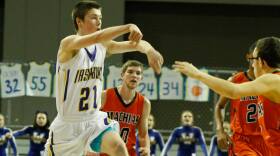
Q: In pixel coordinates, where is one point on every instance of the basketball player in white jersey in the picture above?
(79, 125)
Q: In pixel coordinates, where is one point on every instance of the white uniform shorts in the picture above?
(74, 138)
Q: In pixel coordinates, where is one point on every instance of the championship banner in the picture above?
(171, 85)
(196, 90)
(12, 81)
(148, 86)
(114, 77)
(39, 80)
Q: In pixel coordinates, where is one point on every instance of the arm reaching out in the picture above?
(155, 59)
(71, 44)
(259, 86)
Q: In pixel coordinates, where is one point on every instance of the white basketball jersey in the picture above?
(171, 85)
(39, 80)
(12, 81)
(79, 83)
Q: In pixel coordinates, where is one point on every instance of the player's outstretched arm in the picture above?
(70, 44)
(260, 86)
(21, 132)
(155, 59)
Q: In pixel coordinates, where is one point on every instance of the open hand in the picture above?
(186, 68)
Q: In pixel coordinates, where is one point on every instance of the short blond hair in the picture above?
(132, 63)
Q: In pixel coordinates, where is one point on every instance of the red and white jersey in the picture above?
(128, 115)
(243, 111)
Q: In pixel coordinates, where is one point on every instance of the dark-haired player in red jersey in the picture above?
(266, 63)
(131, 109)
(246, 138)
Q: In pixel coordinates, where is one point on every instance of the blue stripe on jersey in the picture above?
(106, 121)
(66, 86)
(91, 56)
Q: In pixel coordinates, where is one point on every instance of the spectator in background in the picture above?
(38, 133)
(214, 144)
(187, 137)
(5, 138)
(155, 136)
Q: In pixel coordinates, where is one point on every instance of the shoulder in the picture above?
(67, 40)
(30, 127)
(108, 93)
(156, 132)
(146, 101)
(198, 129)
(178, 129)
(269, 77)
(268, 80)
(7, 129)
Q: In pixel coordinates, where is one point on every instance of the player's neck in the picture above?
(250, 74)
(126, 94)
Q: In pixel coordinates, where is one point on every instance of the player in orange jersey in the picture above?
(266, 63)
(243, 119)
(131, 109)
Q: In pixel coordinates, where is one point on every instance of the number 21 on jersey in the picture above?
(85, 98)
